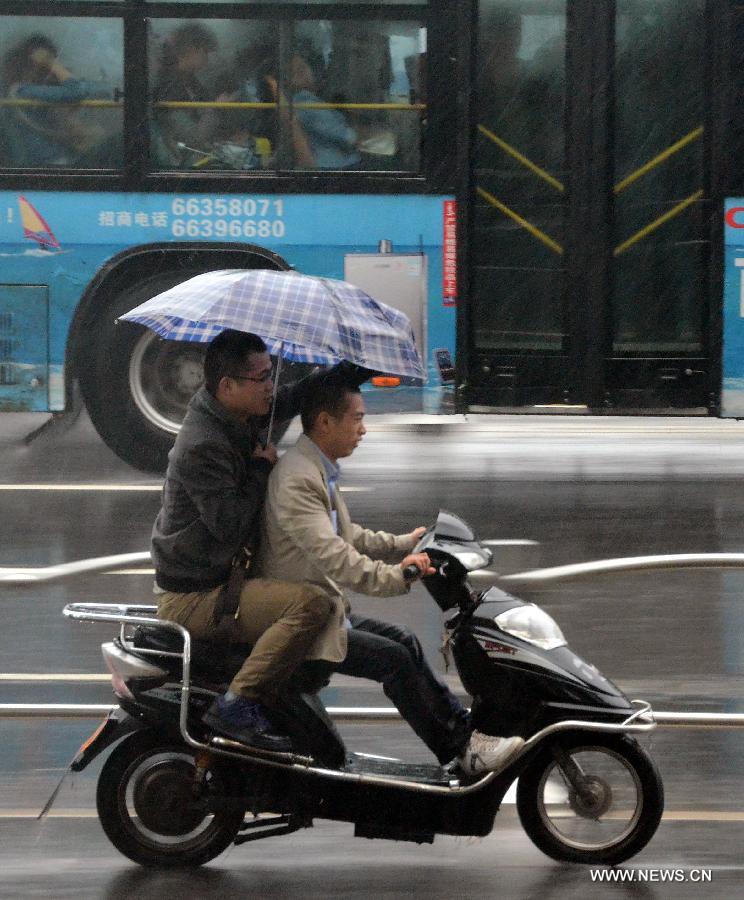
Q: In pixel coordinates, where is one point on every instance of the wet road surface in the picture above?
(581, 488)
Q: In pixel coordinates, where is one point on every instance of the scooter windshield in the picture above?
(451, 536)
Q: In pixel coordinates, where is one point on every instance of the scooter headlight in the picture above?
(532, 624)
(472, 559)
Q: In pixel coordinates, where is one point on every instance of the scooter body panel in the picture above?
(115, 726)
(519, 687)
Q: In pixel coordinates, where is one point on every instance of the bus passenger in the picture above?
(183, 57)
(250, 86)
(322, 138)
(51, 134)
(235, 145)
(242, 137)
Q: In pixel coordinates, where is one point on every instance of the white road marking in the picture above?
(510, 542)
(121, 487)
(81, 487)
(682, 815)
(51, 677)
(54, 814)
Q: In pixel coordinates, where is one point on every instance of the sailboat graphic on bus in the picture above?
(35, 228)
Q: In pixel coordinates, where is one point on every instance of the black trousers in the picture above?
(392, 655)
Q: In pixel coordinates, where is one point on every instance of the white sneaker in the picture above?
(485, 753)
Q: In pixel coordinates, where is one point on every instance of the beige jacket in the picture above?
(298, 543)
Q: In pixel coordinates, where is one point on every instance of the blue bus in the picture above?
(550, 189)
(183, 137)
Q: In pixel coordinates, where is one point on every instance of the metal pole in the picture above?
(625, 564)
(15, 576)
(347, 714)
(24, 576)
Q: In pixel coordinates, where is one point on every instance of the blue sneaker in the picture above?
(244, 720)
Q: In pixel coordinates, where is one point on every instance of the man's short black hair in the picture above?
(228, 354)
(330, 394)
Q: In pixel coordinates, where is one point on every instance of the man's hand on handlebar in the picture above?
(417, 534)
(417, 561)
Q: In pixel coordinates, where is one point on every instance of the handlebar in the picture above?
(411, 573)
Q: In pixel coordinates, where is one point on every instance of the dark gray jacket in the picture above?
(213, 492)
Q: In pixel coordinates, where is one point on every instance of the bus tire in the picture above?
(136, 386)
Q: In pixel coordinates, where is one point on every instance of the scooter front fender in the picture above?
(114, 726)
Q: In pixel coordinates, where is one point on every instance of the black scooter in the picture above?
(171, 793)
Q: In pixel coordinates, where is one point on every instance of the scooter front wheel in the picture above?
(591, 798)
(148, 808)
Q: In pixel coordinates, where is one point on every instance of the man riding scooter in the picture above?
(213, 492)
(308, 537)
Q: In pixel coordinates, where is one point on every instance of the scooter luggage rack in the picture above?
(126, 615)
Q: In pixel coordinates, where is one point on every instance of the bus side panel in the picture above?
(732, 394)
(24, 360)
(59, 240)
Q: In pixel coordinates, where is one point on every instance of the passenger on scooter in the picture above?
(308, 537)
(213, 492)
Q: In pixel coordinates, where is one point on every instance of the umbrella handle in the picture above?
(276, 387)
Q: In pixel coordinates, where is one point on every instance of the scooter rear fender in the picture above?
(117, 724)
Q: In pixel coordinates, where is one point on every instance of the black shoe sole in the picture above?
(249, 738)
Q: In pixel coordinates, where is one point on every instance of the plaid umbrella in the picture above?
(300, 317)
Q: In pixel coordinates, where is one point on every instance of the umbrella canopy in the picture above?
(300, 317)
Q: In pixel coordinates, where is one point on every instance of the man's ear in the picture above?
(321, 423)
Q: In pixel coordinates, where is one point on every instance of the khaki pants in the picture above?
(280, 619)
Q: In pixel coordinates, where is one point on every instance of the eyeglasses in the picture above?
(264, 379)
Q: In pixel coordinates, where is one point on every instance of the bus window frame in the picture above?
(440, 162)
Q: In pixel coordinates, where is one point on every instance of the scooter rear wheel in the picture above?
(148, 810)
(612, 817)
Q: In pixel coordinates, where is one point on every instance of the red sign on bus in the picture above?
(449, 254)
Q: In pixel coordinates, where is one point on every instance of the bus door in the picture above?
(659, 290)
(588, 253)
(520, 342)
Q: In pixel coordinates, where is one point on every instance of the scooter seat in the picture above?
(213, 662)
(211, 658)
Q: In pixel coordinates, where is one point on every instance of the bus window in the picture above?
(211, 104)
(350, 97)
(356, 89)
(60, 93)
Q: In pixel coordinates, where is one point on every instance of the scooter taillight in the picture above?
(120, 686)
(127, 669)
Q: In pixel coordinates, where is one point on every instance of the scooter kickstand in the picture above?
(270, 827)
